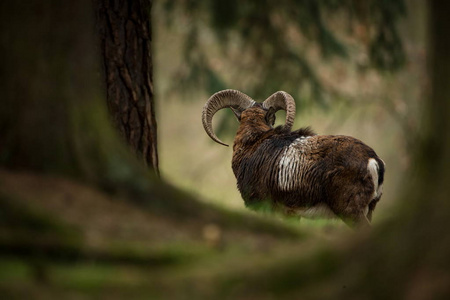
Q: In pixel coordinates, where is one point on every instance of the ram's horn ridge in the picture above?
(284, 101)
(236, 100)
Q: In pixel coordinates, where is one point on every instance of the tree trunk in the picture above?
(52, 115)
(125, 34)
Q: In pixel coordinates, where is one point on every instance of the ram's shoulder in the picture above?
(283, 133)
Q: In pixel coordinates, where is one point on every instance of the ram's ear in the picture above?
(237, 114)
(270, 116)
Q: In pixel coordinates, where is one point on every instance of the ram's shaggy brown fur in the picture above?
(330, 170)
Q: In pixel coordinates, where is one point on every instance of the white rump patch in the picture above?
(373, 167)
(290, 163)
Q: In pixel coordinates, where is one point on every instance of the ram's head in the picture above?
(238, 102)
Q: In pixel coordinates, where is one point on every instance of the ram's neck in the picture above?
(249, 133)
(248, 138)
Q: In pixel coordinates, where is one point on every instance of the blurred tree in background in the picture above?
(52, 115)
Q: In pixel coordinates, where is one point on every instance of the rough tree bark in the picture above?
(125, 34)
(52, 115)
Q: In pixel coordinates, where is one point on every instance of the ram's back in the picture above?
(298, 170)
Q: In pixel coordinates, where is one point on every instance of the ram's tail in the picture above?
(376, 169)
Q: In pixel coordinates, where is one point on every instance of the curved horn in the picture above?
(223, 99)
(282, 100)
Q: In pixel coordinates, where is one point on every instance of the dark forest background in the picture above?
(109, 188)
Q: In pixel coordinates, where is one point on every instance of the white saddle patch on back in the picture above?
(290, 163)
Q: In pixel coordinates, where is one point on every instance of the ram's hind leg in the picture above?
(353, 207)
(357, 221)
(372, 206)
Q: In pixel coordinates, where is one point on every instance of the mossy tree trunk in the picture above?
(53, 115)
(125, 42)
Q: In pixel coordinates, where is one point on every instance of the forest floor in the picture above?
(61, 239)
